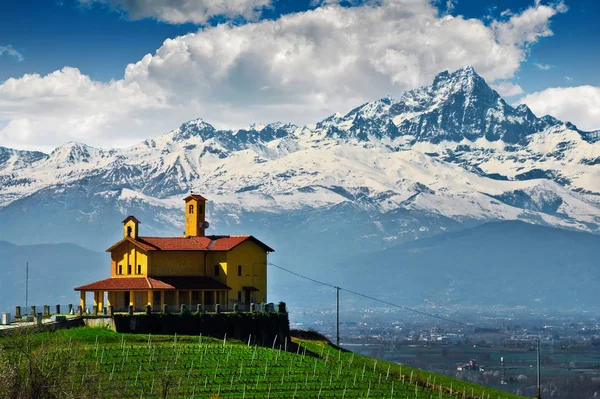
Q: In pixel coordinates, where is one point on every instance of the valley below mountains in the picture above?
(447, 195)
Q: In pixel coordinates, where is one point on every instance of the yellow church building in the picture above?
(192, 269)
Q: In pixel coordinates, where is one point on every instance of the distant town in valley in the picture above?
(570, 344)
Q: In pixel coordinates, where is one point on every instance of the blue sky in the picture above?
(98, 39)
(570, 52)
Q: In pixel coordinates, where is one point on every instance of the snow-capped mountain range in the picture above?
(441, 157)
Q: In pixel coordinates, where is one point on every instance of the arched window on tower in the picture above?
(191, 209)
(239, 270)
(129, 231)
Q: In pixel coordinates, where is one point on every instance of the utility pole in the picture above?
(539, 388)
(26, 285)
(337, 313)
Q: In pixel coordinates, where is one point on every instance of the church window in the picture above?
(128, 269)
(139, 269)
(191, 209)
(217, 268)
(239, 270)
(120, 269)
(129, 231)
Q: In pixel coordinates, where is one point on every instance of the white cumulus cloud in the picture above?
(182, 11)
(527, 27)
(299, 68)
(579, 105)
(507, 89)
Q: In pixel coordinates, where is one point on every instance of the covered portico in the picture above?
(139, 292)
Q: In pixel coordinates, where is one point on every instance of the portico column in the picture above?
(162, 300)
(132, 299)
(82, 300)
(100, 301)
(96, 303)
(108, 299)
(189, 298)
(177, 298)
(151, 298)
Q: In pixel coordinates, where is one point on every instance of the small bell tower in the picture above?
(195, 215)
(131, 227)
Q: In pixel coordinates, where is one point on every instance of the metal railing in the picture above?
(21, 312)
(45, 310)
(222, 308)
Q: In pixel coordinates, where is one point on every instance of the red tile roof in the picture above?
(121, 283)
(154, 283)
(208, 243)
(128, 218)
(175, 243)
(227, 243)
(195, 196)
(141, 244)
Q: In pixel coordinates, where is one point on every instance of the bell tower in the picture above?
(195, 215)
(131, 227)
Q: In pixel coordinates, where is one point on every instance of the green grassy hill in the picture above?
(93, 362)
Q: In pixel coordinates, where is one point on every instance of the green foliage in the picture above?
(28, 371)
(155, 366)
(184, 309)
(281, 308)
(236, 308)
(165, 309)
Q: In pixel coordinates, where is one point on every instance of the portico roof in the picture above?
(155, 283)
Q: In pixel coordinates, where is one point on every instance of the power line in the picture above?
(302, 276)
(338, 288)
(390, 303)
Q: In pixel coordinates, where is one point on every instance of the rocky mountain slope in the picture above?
(441, 158)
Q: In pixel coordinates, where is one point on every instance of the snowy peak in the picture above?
(225, 141)
(11, 159)
(72, 153)
(194, 128)
(461, 105)
(465, 82)
(456, 106)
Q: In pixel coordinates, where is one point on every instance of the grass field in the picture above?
(143, 366)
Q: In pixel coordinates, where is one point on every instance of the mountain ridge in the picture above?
(506, 264)
(453, 153)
